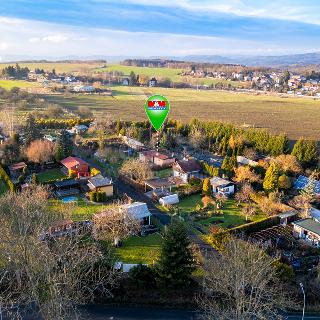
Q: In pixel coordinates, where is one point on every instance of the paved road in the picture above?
(106, 312)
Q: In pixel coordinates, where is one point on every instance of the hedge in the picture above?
(256, 226)
(217, 239)
(97, 196)
(4, 176)
(61, 123)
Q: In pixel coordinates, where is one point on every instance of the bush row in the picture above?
(4, 176)
(217, 239)
(61, 123)
(98, 196)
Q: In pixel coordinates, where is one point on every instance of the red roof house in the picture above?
(76, 166)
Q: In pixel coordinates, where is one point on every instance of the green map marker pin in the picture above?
(157, 108)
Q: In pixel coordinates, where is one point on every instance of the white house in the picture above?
(223, 186)
(185, 169)
(309, 230)
(169, 200)
(139, 211)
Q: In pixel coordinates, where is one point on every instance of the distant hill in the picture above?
(303, 59)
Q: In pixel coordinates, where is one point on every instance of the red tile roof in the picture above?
(70, 162)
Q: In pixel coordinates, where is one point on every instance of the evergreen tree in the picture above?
(118, 126)
(65, 144)
(34, 179)
(132, 79)
(305, 151)
(31, 131)
(176, 261)
(59, 153)
(206, 187)
(270, 182)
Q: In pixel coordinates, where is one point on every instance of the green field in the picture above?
(52, 174)
(294, 116)
(9, 84)
(173, 74)
(140, 249)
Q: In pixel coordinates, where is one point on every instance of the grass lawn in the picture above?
(163, 173)
(188, 204)
(52, 174)
(81, 210)
(140, 249)
(3, 187)
(231, 215)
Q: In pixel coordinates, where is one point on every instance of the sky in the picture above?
(84, 28)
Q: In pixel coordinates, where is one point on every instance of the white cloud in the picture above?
(55, 38)
(281, 9)
(35, 39)
(3, 46)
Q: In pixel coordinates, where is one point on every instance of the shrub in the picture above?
(284, 271)
(4, 176)
(142, 276)
(94, 172)
(93, 196)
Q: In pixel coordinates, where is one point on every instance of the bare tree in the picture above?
(115, 224)
(198, 138)
(242, 284)
(40, 151)
(53, 276)
(136, 169)
(9, 119)
(220, 200)
(244, 194)
(245, 174)
(288, 163)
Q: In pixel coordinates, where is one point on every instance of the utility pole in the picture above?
(304, 299)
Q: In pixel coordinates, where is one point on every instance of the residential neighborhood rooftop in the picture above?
(309, 224)
(217, 181)
(73, 161)
(186, 166)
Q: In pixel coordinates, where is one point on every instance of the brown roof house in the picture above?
(16, 169)
(157, 158)
(185, 169)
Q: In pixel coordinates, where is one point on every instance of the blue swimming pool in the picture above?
(69, 199)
